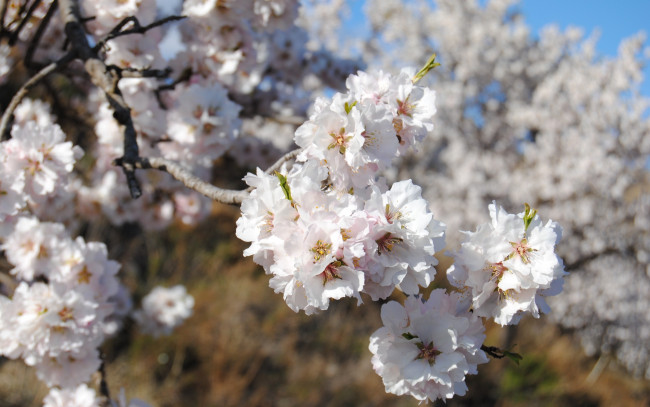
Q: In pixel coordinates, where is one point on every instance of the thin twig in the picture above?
(136, 29)
(140, 73)
(493, 351)
(226, 196)
(103, 383)
(23, 22)
(288, 156)
(29, 54)
(18, 97)
(183, 77)
(3, 13)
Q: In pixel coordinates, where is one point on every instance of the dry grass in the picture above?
(244, 347)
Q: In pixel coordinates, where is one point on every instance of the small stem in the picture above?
(598, 369)
(103, 383)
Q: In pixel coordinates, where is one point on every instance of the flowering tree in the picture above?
(323, 220)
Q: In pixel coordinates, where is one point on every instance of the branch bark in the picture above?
(107, 80)
(226, 196)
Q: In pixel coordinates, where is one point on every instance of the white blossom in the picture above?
(80, 396)
(426, 348)
(163, 309)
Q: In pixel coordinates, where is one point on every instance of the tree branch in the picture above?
(18, 97)
(136, 29)
(23, 22)
(226, 196)
(583, 261)
(288, 156)
(29, 54)
(105, 79)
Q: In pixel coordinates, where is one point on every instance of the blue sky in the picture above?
(615, 20)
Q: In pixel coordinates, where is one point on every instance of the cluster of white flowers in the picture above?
(35, 161)
(56, 326)
(331, 228)
(426, 348)
(328, 228)
(509, 266)
(67, 298)
(163, 309)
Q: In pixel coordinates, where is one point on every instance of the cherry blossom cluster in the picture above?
(508, 266)
(68, 297)
(163, 309)
(57, 326)
(328, 228)
(426, 348)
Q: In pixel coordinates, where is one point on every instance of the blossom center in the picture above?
(522, 250)
(84, 276)
(428, 352)
(65, 314)
(386, 243)
(321, 250)
(497, 270)
(339, 140)
(331, 272)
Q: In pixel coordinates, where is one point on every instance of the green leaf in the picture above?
(529, 215)
(348, 107)
(284, 185)
(431, 63)
(515, 357)
(408, 336)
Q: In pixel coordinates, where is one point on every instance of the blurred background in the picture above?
(538, 102)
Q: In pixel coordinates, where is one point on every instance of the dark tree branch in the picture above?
(136, 29)
(23, 22)
(103, 383)
(29, 54)
(184, 77)
(493, 351)
(140, 73)
(105, 79)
